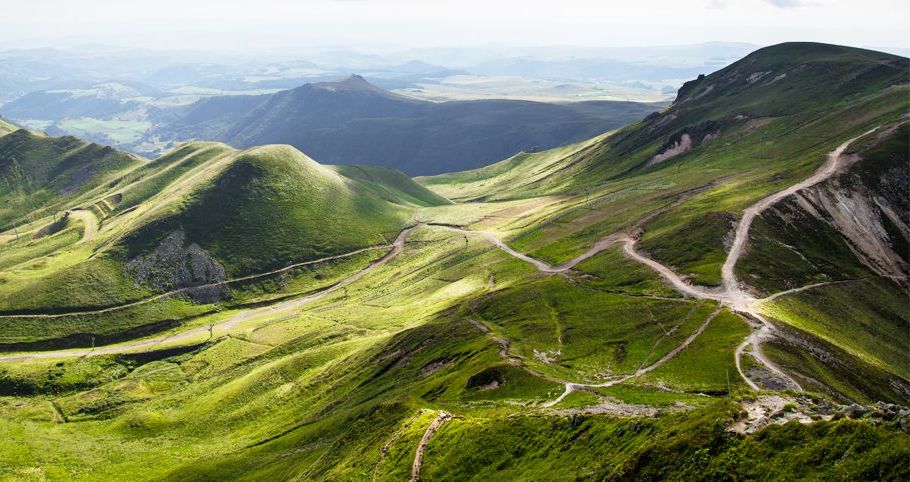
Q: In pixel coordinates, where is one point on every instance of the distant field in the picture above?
(120, 131)
(473, 87)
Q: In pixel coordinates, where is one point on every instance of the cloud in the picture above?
(717, 4)
(789, 3)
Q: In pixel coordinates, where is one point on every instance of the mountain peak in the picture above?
(351, 83)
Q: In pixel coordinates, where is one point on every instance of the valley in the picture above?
(717, 288)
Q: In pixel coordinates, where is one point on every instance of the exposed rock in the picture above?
(860, 216)
(705, 92)
(773, 410)
(854, 411)
(688, 86)
(548, 357)
(775, 79)
(680, 146)
(756, 76)
(779, 409)
(612, 406)
(174, 266)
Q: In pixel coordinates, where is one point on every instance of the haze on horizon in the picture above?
(377, 25)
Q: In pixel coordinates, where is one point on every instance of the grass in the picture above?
(118, 131)
(564, 329)
(180, 191)
(317, 391)
(873, 327)
(36, 246)
(38, 173)
(707, 365)
(280, 198)
(6, 127)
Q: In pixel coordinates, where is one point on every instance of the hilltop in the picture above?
(679, 180)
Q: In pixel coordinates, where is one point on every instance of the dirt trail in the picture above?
(230, 323)
(541, 266)
(384, 451)
(502, 342)
(571, 386)
(90, 221)
(191, 288)
(742, 301)
(668, 274)
(831, 166)
(730, 295)
(802, 288)
(422, 446)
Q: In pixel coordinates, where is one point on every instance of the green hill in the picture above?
(274, 205)
(392, 185)
(203, 214)
(715, 292)
(735, 134)
(40, 173)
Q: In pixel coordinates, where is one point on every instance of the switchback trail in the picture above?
(730, 294)
(227, 325)
(744, 302)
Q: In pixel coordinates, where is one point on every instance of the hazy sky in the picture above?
(391, 24)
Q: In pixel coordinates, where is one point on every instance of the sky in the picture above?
(377, 25)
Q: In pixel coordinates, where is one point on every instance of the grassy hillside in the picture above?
(751, 131)
(38, 172)
(202, 214)
(558, 315)
(274, 205)
(741, 151)
(392, 185)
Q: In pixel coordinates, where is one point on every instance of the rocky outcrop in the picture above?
(862, 210)
(688, 139)
(679, 146)
(860, 216)
(174, 266)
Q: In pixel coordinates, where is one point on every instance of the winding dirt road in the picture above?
(90, 221)
(831, 166)
(571, 386)
(730, 295)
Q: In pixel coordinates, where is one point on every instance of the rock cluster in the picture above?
(174, 266)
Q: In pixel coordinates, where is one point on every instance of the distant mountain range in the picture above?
(355, 122)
